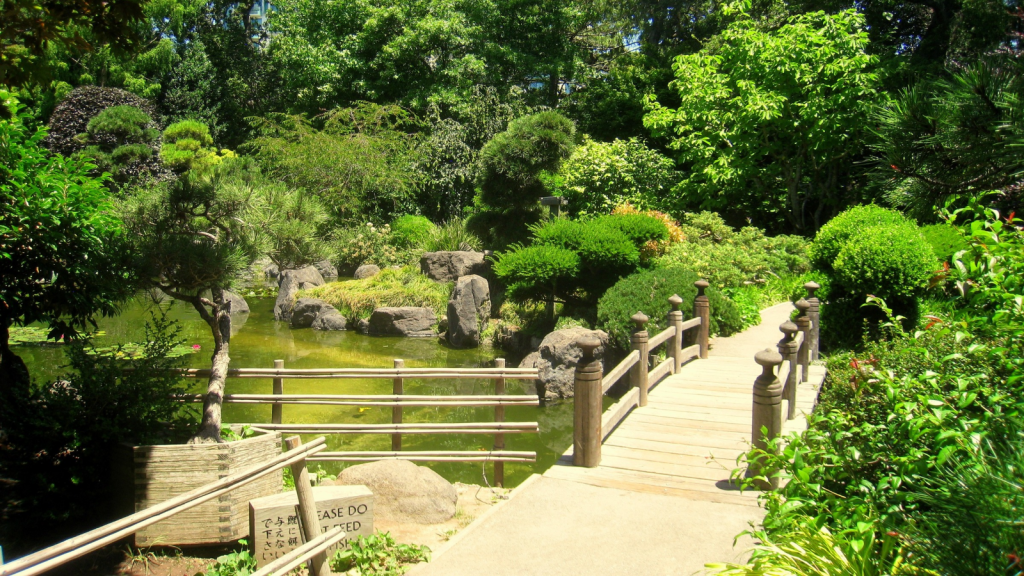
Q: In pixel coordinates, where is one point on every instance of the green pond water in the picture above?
(258, 340)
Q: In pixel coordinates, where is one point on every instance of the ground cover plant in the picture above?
(407, 286)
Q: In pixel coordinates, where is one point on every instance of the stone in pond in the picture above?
(289, 283)
(403, 491)
(402, 321)
(236, 304)
(469, 310)
(556, 359)
(450, 266)
(366, 271)
(316, 314)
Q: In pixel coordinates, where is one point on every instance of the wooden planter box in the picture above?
(153, 474)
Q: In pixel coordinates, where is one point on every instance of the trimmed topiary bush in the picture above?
(886, 261)
(411, 231)
(648, 292)
(945, 240)
(536, 272)
(838, 231)
(72, 115)
(639, 228)
(122, 140)
(188, 145)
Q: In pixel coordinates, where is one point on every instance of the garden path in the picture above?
(660, 502)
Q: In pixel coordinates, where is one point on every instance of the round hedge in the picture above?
(639, 228)
(945, 240)
(838, 231)
(886, 261)
(648, 292)
(411, 231)
(72, 115)
(531, 273)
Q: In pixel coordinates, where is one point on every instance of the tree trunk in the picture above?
(220, 324)
(14, 378)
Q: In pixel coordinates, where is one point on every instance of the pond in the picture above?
(260, 340)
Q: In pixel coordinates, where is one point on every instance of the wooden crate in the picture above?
(161, 472)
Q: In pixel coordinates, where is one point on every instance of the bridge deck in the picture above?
(686, 440)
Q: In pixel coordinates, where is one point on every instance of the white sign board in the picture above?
(274, 520)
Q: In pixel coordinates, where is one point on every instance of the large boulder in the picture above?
(450, 266)
(403, 491)
(366, 271)
(556, 360)
(468, 311)
(289, 283)
(316, 314)
(402, 321)
(236, 304)
(326, 269)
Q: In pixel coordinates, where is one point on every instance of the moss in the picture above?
(403, 287)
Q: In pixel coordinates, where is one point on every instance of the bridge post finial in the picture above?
(803, 322)
(766, 423)
(702, 310)
(587, 405)
(814, 313)
(640, 342)
(675, 344)
(788, 348)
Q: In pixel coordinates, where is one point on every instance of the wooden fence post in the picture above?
(309, 522)
(499, 416)
(675, 343)
(767, 414)
(788, 349)
(804, 324)
(276, 409)
(639, 339)
(702, 310)
(396, 412)
(814, 313)
(587, 406)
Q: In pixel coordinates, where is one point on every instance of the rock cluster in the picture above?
(469, 309)
(289, 283)
(316, 314)
(556, 359)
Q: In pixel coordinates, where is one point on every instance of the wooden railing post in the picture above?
(309, 522)
(803, 322)
(276, 409)
(788, 349)
(639, 339)
(702, 310)
(675, 344)
(814, 314)
(767, 414)
(396, 412)
(499, 416)
(587, 406)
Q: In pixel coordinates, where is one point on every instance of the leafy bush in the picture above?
(648, 292)
(72, 115)
(639, 228)
(59, 439)
(187, 146)
(410, 231)
(537, 272)
(838, 231)
(403, 287)
(378, 555)
(602, 175)
(367, 244)
(121, 124)
(655, 248)
(886, 261)
(944, 239)
(452, 236)
(122, 140)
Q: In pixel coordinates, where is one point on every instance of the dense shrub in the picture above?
(411, 231)
(648, 292)
(536, 272)
(886, 261)
(73, 113)
(367, 244)
(944, 239)
(838, 231)
(639, 228)
(122, 140)
(654, 248)
(187, 145)
(452, 236)
(406, 286)
(602, 175)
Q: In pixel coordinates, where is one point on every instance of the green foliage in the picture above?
(830, 240)
(410, 231)
(59, 436)
(770, 120)
(121, 139)
(602, 175)
(536, 272)
(731, 259)
(451, 236)
(193, 93)
(236, 563)
(640, 229)
(378, 555)
(648, 292)
(125, 124)
(406, 286)
(74, 112)
(358, 161)
(887, 261)
(945, 240)
(367, 244)
(186, 146)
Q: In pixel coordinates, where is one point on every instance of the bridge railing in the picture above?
(778, 382)
(296, 456)
(397, 401)
(591, 425)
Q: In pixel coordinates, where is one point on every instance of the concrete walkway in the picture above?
(659, 503)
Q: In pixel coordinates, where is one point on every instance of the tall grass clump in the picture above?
(452, 236)
(402, 287)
